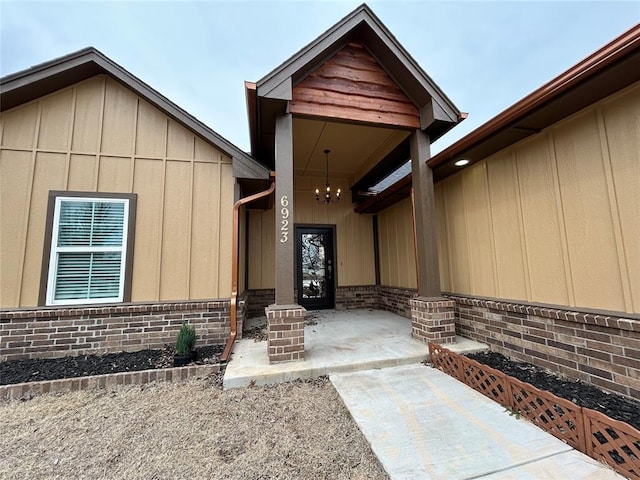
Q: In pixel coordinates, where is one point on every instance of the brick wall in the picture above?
(59, 332)
(258, 300)
(349, 298)
(599, 349)
(391, 299)
(395, 300)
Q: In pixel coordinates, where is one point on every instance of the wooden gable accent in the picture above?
(353, 86)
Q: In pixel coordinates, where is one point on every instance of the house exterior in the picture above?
(123, 216)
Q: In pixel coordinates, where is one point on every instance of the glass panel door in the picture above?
(315, 267)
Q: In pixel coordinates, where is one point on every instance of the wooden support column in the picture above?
(432, 316)
(285, 254)
(285, 319)
(425, 215)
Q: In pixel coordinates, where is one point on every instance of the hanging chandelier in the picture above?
(327, 198)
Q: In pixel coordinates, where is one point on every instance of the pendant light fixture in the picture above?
(327, 197)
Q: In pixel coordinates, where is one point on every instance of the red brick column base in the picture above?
(433, 320)
(285, 340)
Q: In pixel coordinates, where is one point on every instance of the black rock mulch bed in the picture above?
(578, 392)
(38, 369)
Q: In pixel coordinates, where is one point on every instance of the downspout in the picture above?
(234, 263)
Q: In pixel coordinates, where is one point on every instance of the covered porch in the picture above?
(335, 341)
(335, 123)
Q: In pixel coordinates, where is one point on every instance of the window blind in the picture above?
(87, 264)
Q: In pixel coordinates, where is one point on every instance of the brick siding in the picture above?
(600, 349)
(349, 298)
(59, 332)
(258, 300)
(395, 300)
(379, 297)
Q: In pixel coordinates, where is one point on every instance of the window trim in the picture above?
(48, 238)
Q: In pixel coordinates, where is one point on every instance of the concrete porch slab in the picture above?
(422, 423)
(336, 341)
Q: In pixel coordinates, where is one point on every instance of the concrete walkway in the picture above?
(335, 341)
(424, 424)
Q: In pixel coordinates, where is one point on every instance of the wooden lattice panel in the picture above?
(486, 380)
(447, 361)
(613, 442)
(556, 415)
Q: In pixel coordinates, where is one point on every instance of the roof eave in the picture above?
(89, 62)
(624, 46)
(383, 46)
(595, 63)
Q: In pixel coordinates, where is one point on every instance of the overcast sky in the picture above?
(484, 55)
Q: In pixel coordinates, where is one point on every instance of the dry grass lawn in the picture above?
(191, 431)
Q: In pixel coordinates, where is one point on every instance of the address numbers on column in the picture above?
(284, 213)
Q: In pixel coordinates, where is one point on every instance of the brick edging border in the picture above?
(27, 390)
(602, 320)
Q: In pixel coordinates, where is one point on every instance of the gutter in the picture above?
(626, 43)
(234, 262)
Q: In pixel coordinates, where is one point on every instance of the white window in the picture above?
(88, 250)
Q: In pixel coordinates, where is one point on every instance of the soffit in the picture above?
(355, 149)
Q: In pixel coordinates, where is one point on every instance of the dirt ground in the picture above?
(192, 430)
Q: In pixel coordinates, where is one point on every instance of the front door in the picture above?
(315, 267)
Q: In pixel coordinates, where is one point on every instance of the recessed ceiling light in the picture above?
(462, 162)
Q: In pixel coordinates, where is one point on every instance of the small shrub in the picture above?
(186, 340)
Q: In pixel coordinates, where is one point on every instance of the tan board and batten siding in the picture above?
(396, 246)
(354, 235)
(98, 136)
(553, 219)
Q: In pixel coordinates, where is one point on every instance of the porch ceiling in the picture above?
(355, 149)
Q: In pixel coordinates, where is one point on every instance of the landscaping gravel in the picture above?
(37, 369)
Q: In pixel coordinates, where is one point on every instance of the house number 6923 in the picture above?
(284, 213)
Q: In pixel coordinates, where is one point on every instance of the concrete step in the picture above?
(337, 342)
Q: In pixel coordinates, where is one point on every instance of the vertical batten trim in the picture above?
(562, 226)
(625, 278)
(521, 225)
(103, 102)
(25, 227)
(161, 213)
(264, 279)
(2, 134)
(447, 235)
(134, 145)
(217, 235)
(376, 248)
(494, 257)
(67, 166)
(190, 220)
(467, 242)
